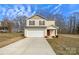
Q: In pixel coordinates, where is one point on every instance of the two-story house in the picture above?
(37, 26)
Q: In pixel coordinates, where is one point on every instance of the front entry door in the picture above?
(48, 32)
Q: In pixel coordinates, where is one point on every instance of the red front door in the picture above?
(48, 32)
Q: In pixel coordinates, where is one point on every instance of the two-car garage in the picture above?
(34, 32)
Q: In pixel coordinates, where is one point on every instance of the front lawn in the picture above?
(65, 45)
(8, 38)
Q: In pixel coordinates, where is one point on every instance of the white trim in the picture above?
(34, 32)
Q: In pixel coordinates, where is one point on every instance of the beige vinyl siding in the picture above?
(36, 22)
(48, 23)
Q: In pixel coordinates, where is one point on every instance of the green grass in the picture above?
(65, 45)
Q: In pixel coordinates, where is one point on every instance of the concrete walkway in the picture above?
(28, 46)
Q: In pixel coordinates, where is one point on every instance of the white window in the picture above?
(41, 22)
(31, 22)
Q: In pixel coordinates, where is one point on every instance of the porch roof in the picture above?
(36, 26)
(52, 27)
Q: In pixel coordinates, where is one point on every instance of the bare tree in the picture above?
(7, 24)
(78, 28)
(60, 22)
(72, 22)
(19, 23)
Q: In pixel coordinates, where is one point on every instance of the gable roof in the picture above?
(52, 27)
(55, 26)
(37, 17)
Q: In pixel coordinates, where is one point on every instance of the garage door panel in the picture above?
(35, 33)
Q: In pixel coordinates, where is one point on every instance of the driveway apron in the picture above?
(28, 46)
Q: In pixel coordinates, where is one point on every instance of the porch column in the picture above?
(45, 32)
(56, 31)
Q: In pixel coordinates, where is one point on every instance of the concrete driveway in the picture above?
(28, 46)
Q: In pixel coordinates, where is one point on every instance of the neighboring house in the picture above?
(5, 26)
(37, 26)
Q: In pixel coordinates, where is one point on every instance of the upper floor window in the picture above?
(41, 22)
(31, 22)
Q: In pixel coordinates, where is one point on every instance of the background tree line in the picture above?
(69, 24)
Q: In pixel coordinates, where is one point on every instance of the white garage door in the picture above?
(35, 33)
